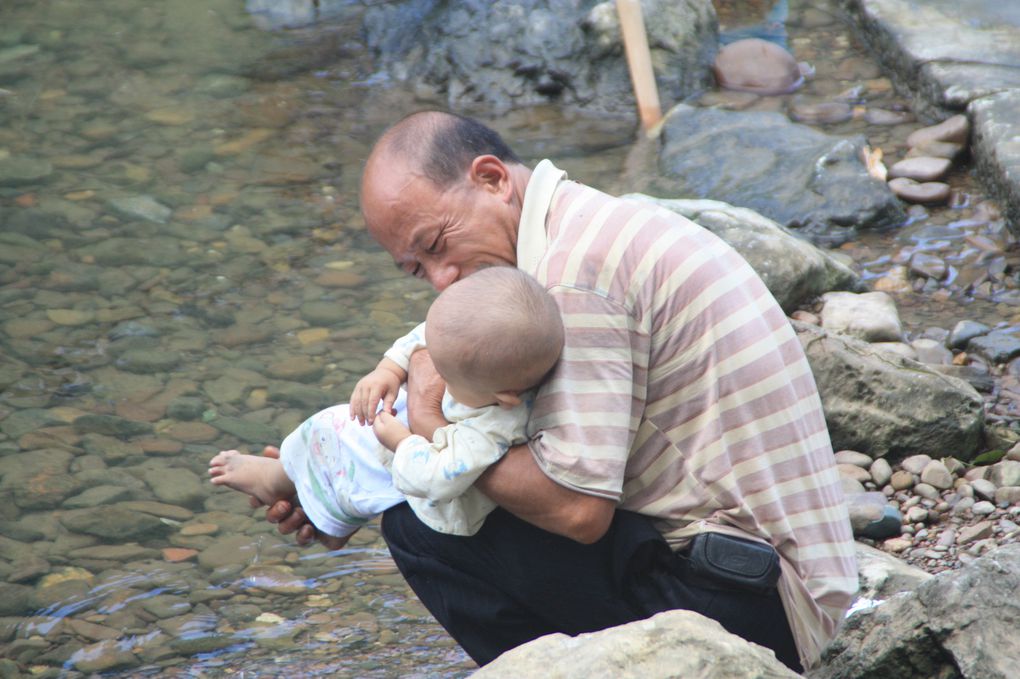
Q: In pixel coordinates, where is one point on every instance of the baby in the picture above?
(492, 336)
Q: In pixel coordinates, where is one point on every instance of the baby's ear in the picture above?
(508, 399)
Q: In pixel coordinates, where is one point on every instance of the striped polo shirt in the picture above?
(683, 392)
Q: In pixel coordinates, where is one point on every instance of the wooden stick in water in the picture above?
(639, 61)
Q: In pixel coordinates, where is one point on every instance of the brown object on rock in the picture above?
(755, 65)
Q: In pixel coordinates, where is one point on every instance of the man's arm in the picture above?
(517, 484)
(424, 395)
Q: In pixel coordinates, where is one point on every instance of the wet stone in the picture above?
(930, 266)
(192, 432)
(247, 430)
(133, 329)
(141, 207)
(937, 149)
(148, 361)
(21, 170)
(110, 449)
(954, 129)
(21, 422)
(928, 193)
(71, 317)
(963, 332)
(242, 334)
(103, 656)
(921, 168)
(111, 425)
(176, 486)
(185, 408)
(114, 522)
(159, 509)
(98, 495)
(996, 347)
(324, 313)
(121, 553)
(166, 606)
(16, 599)
(881, 116)
(230, 550)
(821, 113)
(296, 369)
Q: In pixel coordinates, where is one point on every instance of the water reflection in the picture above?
(183, 269)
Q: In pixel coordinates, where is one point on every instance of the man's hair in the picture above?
(497, 327)
(444, 144)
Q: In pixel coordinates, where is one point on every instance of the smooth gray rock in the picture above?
(37, 479)
(505, 54)
(963, 332)
(115, 523)
(996, 121)
(794, 270)
(20, 170)
(808, 181)
(889, 406)
(868, 316)
(958, 624)
(998, 346)
(671, 644)
(176, 486)
(883, 575)
(945, 53)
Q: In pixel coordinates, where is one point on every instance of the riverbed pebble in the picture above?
(928, 193)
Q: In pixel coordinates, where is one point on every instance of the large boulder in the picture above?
(504, 54)
(944, 53)
(996, 125)
(958, 624)
(794, 270)
(883, 576)
(671, 644)
(808, 181)
(886, 405)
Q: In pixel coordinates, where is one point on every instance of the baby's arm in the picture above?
(382, 383)
(445, 468)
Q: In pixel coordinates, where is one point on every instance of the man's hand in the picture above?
(425, 390)
(389, 430)
(383, 383)
(290, 518)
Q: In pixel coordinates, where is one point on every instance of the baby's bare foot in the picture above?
(260, 477)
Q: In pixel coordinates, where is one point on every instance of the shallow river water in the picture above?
(183, 269)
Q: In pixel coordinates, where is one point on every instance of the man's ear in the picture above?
(508, 399)
(492, 174)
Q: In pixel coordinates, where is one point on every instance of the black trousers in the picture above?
(513, 582)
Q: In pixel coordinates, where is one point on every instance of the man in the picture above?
(682, 405)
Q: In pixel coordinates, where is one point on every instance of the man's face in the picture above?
(440, 235)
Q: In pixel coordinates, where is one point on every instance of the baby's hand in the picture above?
(389, 430)
(380, 384)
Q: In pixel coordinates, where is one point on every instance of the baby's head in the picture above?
(493, 335)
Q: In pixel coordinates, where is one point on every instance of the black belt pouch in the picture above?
(735, 562)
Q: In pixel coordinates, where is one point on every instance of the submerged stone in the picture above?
(20, 170)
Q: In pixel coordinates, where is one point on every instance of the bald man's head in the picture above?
(439, 145)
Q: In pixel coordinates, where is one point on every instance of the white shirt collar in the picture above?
(531, 235)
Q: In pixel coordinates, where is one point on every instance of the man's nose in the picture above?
(442, 276)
